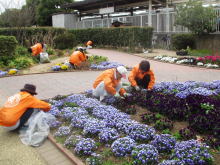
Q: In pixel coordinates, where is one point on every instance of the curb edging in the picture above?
(65, 151)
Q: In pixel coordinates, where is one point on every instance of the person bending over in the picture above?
(36, 49)
(108, 83)
(19, 108)
(142, 75)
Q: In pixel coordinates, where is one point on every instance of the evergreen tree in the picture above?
(48, 7)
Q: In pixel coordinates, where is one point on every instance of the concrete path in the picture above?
(12, 151)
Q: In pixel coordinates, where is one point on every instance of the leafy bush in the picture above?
(50, 51)
(20, 62)
(7, 48)
(181, 41)
(65, 41)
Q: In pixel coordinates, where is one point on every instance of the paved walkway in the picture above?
(12, 151)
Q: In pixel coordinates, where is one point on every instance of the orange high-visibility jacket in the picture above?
(89, 43)
(36, 49)
(111, 83)
(136, 72)
(77, 57)
(16, 105)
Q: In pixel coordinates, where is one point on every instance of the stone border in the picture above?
(65, 151)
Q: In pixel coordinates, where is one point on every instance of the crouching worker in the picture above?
(108, 83)
(142, 75)
(36, 49)
(89, 43)
(77, 57)
(19, 108)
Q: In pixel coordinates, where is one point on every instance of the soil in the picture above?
(45, 67)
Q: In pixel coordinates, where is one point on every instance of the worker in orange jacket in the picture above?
(109, 83)
(142, 75)
(77, 57)
(36, 49)
(19, 108)
(89, 43)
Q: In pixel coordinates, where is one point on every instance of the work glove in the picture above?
(117, 94)
(137, 88)
(125, 94)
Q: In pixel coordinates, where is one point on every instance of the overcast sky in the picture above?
(7, 4)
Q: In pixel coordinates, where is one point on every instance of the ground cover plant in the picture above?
(105, 135)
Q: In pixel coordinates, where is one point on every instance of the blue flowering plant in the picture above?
(94, 159)
(62, 132)
(55, 124)
(123, 146)
(191, 152)
(108, 135)
(144, 154)
(164, 143)
(140, 132)
(86, 146)
(72, 141)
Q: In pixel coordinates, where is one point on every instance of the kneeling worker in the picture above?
(19, 108)
(109, 83)
(142, 75)
(77, 57)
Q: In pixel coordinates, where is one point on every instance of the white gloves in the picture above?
(125, 94)
(137, 88)
(117, 95)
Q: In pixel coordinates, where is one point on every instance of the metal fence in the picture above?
(159, 22)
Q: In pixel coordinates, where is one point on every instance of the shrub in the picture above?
(20, 62)
(50, 51)
(181, 41)
(7, 48)
(65, 41)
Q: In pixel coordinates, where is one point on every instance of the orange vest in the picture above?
(77, 57)
(136, 72)
(16, 105)
(89, 43)
(111, 83)
(36, 49)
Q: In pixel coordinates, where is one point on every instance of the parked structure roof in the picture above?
(91, 7)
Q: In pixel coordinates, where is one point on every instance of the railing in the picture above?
(159, 22)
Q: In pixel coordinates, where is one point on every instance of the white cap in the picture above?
(80, 47)
(122, 70)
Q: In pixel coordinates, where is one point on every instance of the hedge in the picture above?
(32, 33)
(7, 47)
(120, 37)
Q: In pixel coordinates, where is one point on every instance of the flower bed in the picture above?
(207, 61)
(104, 134)
(9, 72)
